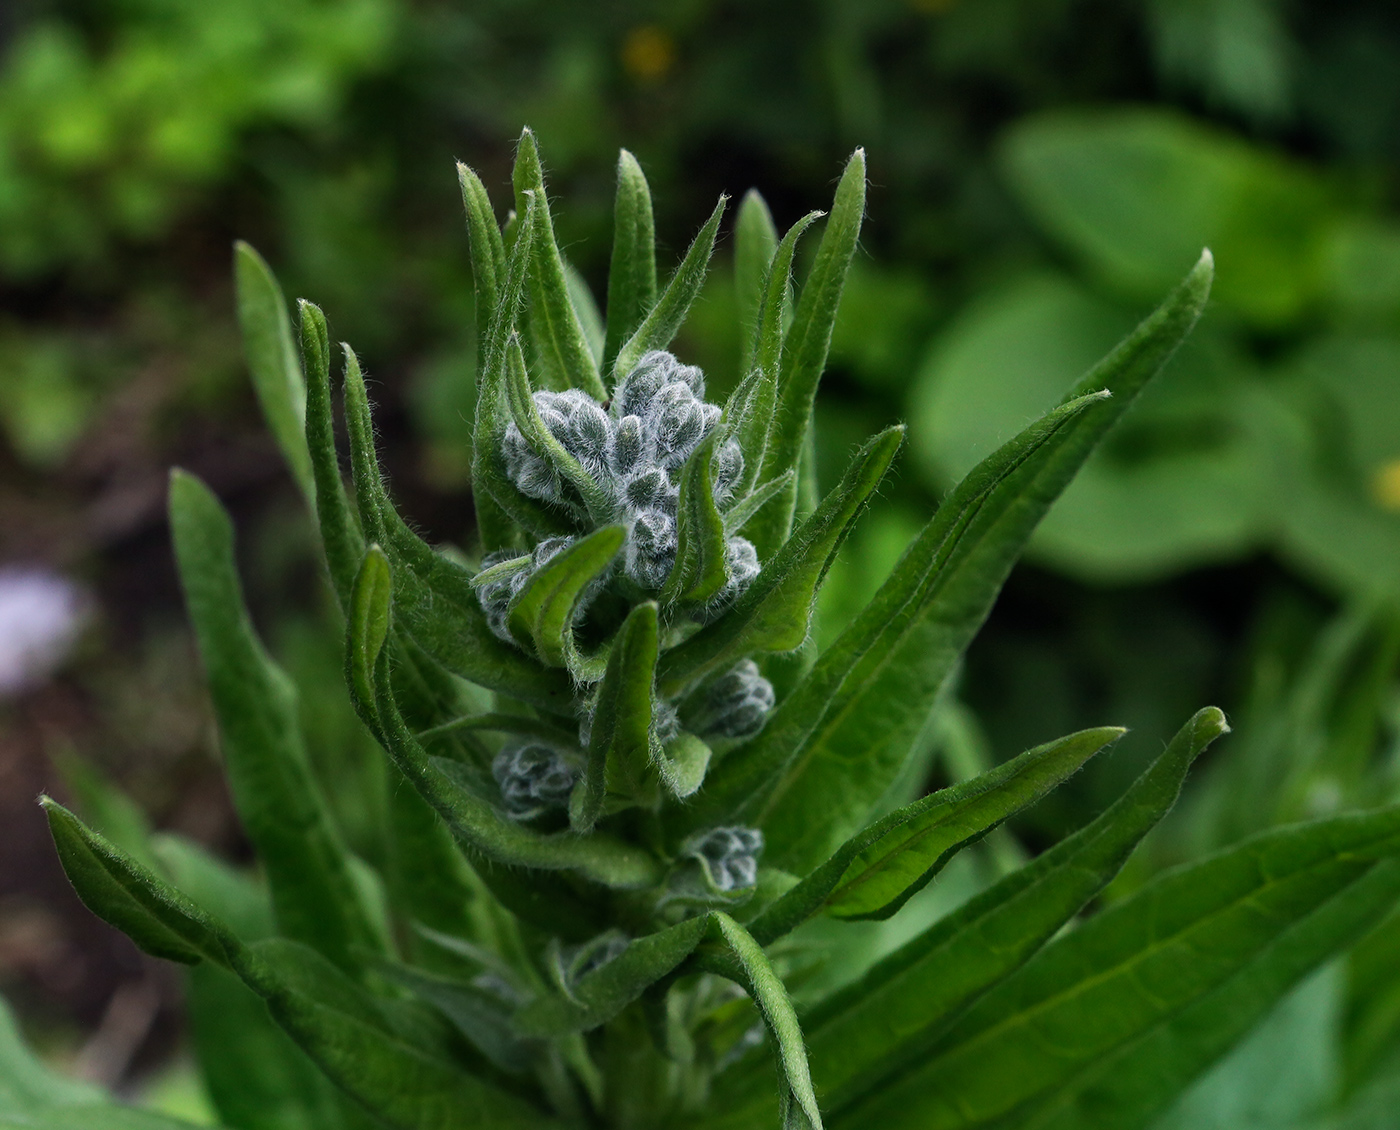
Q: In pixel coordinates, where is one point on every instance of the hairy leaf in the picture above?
(876, 872)
(279, 800)
(833, 746)
(773, 614)
(755, 425)
(471, 819)
(600, 995)
(755, 241)
(807, 341)
(272, 360)
(527, 418)
(1163, 982)
(561, 347)
(620, 768)
(699, 572)
(894, 1013)
(341, 539)
(632, 272)
(542, 614)
(665, 318)
(435, 602)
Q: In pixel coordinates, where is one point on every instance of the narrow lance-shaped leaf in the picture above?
(602, 994)
(755, 241)
(632, 272)
(436, 603)
(308, 866)
(403, 1081)
(754, 426)
(488, 255)
(543, 612)
(489, 277)
(620, 770)
(746, 963)
(893, 1014)
(773, 614)
(1139, 981)
(665, 318)
(340, 531)
(27, 1084)
(875, 872)
(131, 897)
(272, 360)
(490, 479)
(472, 820)
(560, 346)
(838, 740)
(809, 338)
(590, 318)
(699, 572)
(738, 515)
(527, 418)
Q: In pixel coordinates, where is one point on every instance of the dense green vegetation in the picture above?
(1042, 170)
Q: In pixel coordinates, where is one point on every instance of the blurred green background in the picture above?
(1042, 171)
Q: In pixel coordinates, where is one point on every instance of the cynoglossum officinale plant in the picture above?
(620, 776)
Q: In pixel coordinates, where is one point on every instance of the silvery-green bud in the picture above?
(637, 388)
(629, 446)
(726, 467)
(677, 424)
(532, 778)
(737, 703)
(495, 595)
(533, 475)
(730, 855)
(649, 490)
(651, 548)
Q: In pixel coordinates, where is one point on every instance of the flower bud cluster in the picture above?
(730, 855)
(532, 778)
(504, 574)
(737, 703)
(634, 450)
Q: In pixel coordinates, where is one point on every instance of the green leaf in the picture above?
(807, 341)
(435, 602)
(700, 571)
(527, 418)
(472, 820)
(738, 514)
(543, 612)
(586, 308)
(340, 532)
(130, 896)
(561, 347)
(272, 360)
(665, 318)
(620, 769)
(755, 241)
(773, 614)
(489, 474)
(894, 1013)
(877, 871)
(371, 1049)
(751, 968)
(279, 801)
(488, 255)
(834, 744)
(1153, 990)
(632, 273)
(756, 425)
(600, 995)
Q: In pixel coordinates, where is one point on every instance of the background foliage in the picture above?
(1041, 171)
